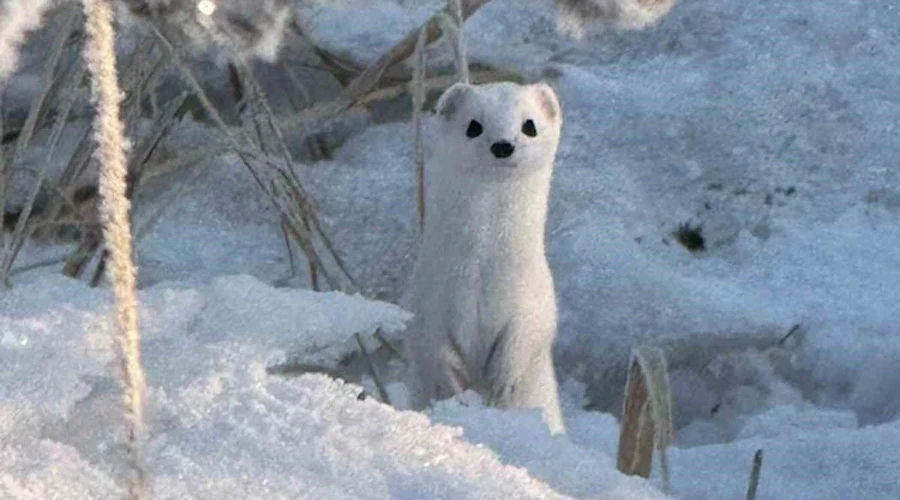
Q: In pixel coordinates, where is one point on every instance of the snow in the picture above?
(770, 124)
(828, 464)
(221, 426)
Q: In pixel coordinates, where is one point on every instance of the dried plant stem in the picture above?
(452, 26)
(25, 135)
(23, 231)
(418, 101)
(366, 81)
(440, 82)
(109, 134)
(143, 227)
(295, 193)
(754, 475)
(277, 180)
(38, 102)
(141, 74)
(140, 66)
(382, 393)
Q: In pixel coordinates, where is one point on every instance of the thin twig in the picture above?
(439, 82)
(794, 329)
(27, 132)
(754, 475)
(37, 265)
(136, 170)
(276, 184)
(141, 74)
(82, 158)
(143, 227)
(21, 233)
(368, 79)
(462, 58)
(365, 354)
(418, 102)
(295, 192)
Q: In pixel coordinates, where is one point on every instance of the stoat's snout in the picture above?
(502, 149)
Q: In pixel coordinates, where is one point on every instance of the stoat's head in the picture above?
(500, 126)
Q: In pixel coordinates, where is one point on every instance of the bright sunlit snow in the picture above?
(770, 125)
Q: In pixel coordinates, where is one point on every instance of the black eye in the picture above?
(528, 128)
(474, 129)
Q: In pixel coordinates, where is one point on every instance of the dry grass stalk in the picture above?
(37, 103)
(136, 171)
(288, 184)
(452, 26)
(269, 137)
(439, 82)
(143, 227)
(274, 176)
(646, 414)
(140, 67)
(13, 243)
(754, 475)
(99, 55)
(90, 243)
(382, 393)
(366, 81)
(418, 102)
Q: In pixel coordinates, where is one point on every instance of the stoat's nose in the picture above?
(502, 149)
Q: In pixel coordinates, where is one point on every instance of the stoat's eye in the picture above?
(474, 129)
(529, 129)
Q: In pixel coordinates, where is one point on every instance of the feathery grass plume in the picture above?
(100, 56)
(418, 102)
(574, 15)
(17, 18)
(248, 29)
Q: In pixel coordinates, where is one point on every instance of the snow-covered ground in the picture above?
(770, 124)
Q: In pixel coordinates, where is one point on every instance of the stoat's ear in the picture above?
(452, 99)
(547, 99)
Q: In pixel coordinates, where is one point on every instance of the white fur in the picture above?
(482, 282)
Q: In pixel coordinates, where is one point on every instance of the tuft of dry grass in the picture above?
(99, 55)
(313, 117)
(13, 243)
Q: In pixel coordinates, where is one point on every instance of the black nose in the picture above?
(502, 149)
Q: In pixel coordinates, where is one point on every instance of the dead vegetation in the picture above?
(56, 205)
